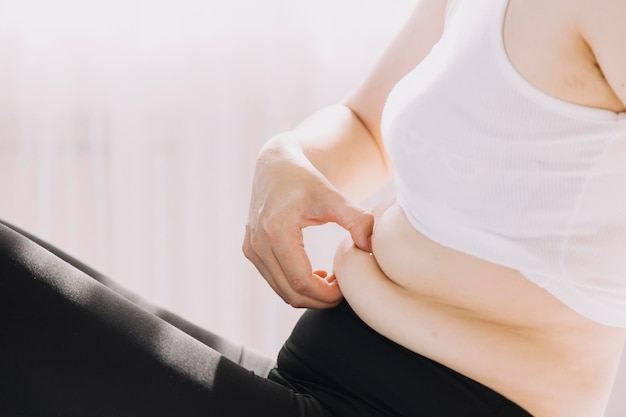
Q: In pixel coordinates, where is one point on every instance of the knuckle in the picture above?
(287, 298)
(250, 255)
(249, 248)
(272, 227)
(299, 285)
(256, 242)
(367, 216)
(246, 248)
(296, 302)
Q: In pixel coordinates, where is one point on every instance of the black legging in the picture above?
(75, 344)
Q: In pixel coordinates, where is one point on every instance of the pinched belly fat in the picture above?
(483, 320)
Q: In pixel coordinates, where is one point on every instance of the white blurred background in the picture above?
(129, 130)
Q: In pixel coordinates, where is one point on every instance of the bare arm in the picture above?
(311, 174)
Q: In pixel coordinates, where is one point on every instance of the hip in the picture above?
(353, 370)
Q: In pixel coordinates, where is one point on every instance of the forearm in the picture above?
(337, 144)
(315, 173)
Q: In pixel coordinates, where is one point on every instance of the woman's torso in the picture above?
(485, 320)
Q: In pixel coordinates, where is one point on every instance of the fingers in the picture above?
(296, 267)
(354, 219)
(361, 231)
(276, 248)
(274, 241)
(285, 266)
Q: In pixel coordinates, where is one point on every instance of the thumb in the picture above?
(358, 222)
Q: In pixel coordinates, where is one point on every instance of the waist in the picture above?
(449, 307)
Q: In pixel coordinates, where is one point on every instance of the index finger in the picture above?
(297, 269)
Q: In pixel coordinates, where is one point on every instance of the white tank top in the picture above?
(489, 165)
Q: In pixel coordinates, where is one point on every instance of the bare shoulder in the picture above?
(601, 24)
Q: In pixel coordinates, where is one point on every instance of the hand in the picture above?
(289, 194)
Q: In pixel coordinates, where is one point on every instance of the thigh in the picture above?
(241, 355)
(72, 347)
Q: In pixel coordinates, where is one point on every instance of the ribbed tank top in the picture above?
(489, 165)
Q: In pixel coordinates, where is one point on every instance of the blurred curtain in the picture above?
(129, 130)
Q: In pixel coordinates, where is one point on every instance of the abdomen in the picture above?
(483, 320)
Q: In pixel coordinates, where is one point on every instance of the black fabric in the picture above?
(72, 347)
(235, 352)
(75, 344)
(354, 371)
